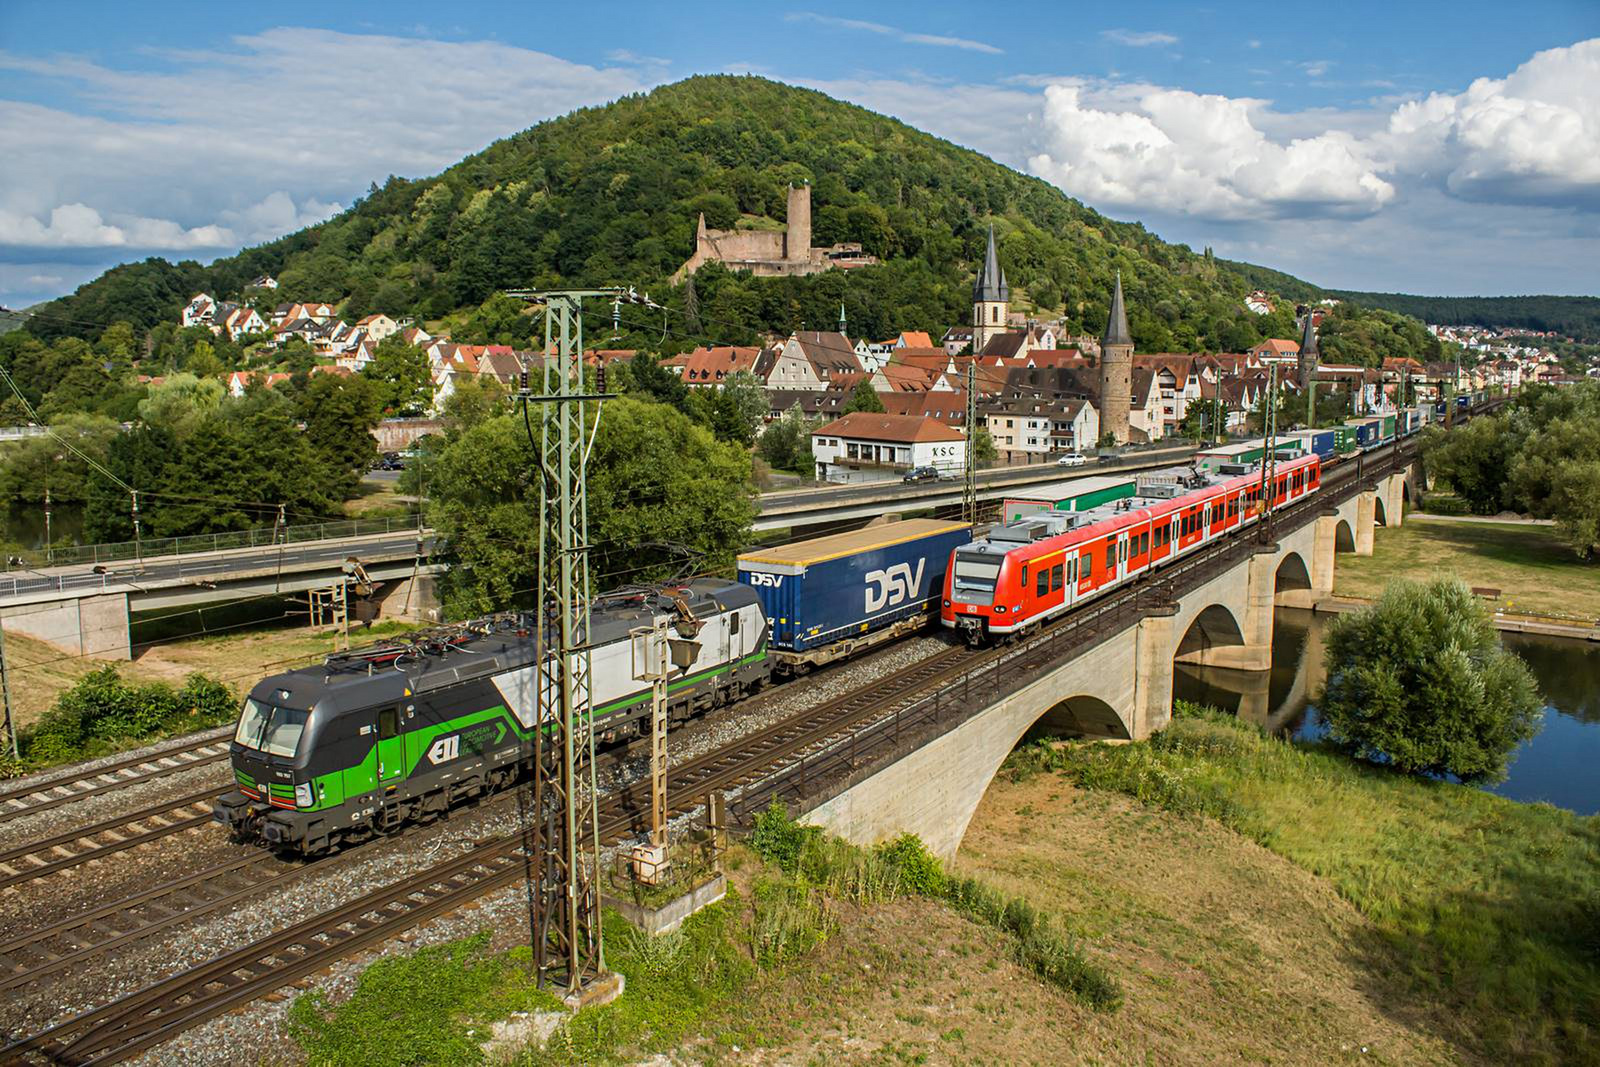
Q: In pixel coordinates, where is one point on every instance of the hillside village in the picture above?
(1039, 389)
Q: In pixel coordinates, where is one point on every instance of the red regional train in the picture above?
(1028, 571)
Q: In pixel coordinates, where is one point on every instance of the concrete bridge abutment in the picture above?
(95, 626)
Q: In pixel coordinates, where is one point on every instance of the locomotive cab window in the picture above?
(733, 622)
(271, 729)
(388, 723)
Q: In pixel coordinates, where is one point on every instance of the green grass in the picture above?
(437, 1005)
(1534, 569)
(1493, 905)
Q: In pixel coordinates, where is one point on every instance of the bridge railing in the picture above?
(258, 537)
(1016, 667)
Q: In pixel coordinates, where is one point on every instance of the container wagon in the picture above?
(1388, 428)
(1074, 494)
(831, 597)
(1319, 443)
(1367, 431)
(1344, 440)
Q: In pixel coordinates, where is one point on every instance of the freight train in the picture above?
(1024, 573)
(371, 740)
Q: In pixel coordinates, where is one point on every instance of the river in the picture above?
(1557, 766)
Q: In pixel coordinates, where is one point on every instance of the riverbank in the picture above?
(1530, 567)
(1479, 916)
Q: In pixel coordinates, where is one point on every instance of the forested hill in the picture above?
(1577, 317)
(609, 195)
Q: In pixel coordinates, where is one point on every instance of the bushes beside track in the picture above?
(103, 713)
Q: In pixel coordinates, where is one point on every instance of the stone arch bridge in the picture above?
(1114, 680)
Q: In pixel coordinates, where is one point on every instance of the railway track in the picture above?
(153, 1015)
(85, 844)
(201, 750)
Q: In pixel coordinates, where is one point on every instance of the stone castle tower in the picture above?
(1309, 356)
(991, 298)
(797, 238)
(1116, 370)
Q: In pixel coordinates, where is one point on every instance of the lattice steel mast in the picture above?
(565, 893)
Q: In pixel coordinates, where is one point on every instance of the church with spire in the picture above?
(991, 299)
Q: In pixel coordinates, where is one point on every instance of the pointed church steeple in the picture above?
(991, 284)
(841, 316)
(1117, 323)
(1308, 339)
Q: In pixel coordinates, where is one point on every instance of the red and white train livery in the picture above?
(1028, 571)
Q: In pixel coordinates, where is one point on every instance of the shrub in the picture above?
(919, 870)
(1420, 682)
(102, 711)
(779, 839)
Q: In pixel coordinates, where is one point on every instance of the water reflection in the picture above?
(1558, 766)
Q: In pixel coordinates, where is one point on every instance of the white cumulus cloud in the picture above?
(81, 226)
(1180, 152)
(1533, 136)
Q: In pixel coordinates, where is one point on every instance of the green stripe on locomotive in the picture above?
(480, 732)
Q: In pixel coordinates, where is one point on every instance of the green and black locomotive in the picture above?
(376, 738)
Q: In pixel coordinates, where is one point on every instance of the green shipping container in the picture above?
(1344, 439)
(1075, 494)
(1388, 428)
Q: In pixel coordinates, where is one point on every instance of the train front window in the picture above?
(976, 573)
(271, 729)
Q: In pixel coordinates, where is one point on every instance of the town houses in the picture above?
(1039, 388)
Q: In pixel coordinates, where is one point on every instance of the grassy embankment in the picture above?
(1534, 569)
(1480, 916)
(807, 921)
(39, 673)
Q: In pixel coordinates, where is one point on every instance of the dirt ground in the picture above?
(38, 673)
(1226, 954)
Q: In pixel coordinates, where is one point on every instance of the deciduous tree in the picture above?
(1420, 682)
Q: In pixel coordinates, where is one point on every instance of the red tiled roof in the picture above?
(901, 429)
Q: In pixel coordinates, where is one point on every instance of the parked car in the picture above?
(391, 461)
(1072, 459)
(921, 474)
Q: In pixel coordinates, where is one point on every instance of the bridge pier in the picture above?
(1366, 521)
(84, 626)
(1155, 638)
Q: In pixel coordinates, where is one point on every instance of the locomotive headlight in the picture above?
(1000, 609)
(302, 795)
(947, 603)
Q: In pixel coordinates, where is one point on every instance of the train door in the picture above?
(391, 745)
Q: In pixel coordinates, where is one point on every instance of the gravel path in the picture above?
(255, 1033)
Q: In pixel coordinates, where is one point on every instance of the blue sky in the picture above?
(1424, 147)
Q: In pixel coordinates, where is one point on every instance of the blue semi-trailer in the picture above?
(831, 596)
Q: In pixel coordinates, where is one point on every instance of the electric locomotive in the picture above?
(373, 739)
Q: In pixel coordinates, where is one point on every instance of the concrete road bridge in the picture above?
(843, 506)
(85, 608)
(1104, 671)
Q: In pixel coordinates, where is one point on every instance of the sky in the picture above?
(1414, 146)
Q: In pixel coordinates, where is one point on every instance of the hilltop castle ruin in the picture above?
(772, 254)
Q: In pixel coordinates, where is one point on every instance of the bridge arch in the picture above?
(1082, 715)
(1214, 627)
(1379, 514)
(1292, 573)
(1344, 536)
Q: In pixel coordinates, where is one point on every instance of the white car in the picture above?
(1072, 459)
